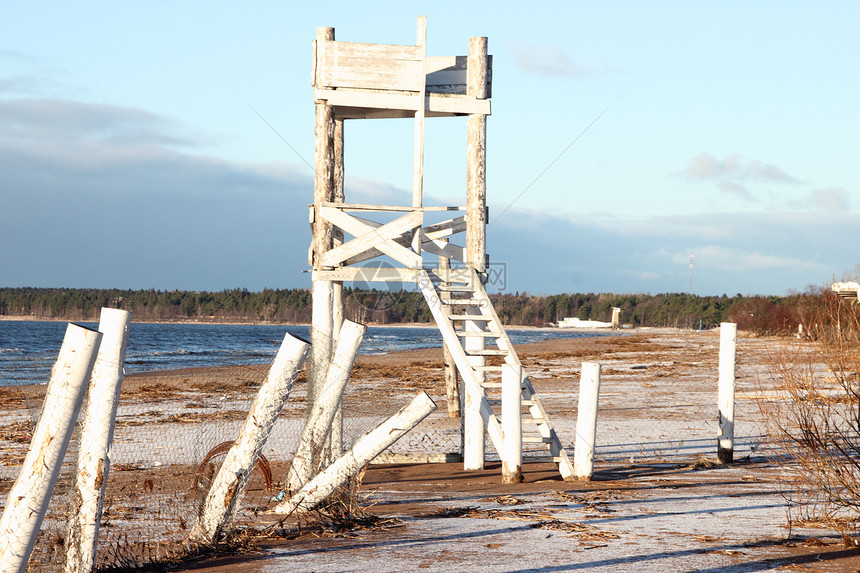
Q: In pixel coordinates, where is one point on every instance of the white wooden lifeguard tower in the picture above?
(366, 81)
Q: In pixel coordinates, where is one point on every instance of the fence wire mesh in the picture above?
(174, 427)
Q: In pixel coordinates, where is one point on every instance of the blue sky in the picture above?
(136, 149)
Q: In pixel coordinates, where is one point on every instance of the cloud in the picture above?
(733, 174)
(735, 259)
(56, 121)
(765, 252)
(102, 196)
(736, 189)
(550, 60)
(97, 196)
(834, 199)
(705, 167)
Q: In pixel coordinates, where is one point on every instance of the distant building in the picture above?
(579, 323)
(849, 289)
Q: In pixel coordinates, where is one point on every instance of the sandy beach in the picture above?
(656, 501)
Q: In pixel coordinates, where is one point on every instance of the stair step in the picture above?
(491, 385)
(537, 440)
(475, 317)
(529, 402)
(537, 421)
(487, 352)
(487, 368)
(480, 333)
(463, 302)
(454, 288)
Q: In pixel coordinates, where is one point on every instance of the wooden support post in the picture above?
(726, 399)
(418, 148)
(476, 248)
(28, 499)
(452, 386)
(418, 159)
(322, 327)
(586, 421)
(476, 158)
(336, 442)
(229, 483)
(325, 408)
(365, 449)
(474, 428)
(96, 439)
(512, 423)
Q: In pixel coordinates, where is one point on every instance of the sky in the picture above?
(169, 145)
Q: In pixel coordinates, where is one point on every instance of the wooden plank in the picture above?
(445, 228)
(443, 248)
(446, 74)
(371, 66)
(434, 103)
(368, 274)
(387, 274)
(373, 237)
(366, 207)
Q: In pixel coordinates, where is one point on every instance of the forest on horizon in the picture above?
(761, 314)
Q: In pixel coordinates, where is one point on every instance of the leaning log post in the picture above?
(96, 439)
(512, 424)
(229, 483)
(29, 497)
(365, 449)
(726, 398)
(322, 327)
(586, 421)
(324, 410)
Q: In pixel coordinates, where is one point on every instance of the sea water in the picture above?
(28, 349)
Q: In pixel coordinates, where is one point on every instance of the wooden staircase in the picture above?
(467, 320)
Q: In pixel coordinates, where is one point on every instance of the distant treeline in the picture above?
(755, 313)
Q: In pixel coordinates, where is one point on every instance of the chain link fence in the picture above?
(174, 427)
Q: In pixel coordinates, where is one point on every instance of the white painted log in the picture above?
(338, 303)
(474, 429)
(28, 499)
(476, 159)
(336, 433)
(96, 439)
(322, 413)
(586, 421)
(322, 320)
(229, 483)
(322, 336)
(512, 423)
(418, 148)
(726, 398)
(452, 387)
(365, 449)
